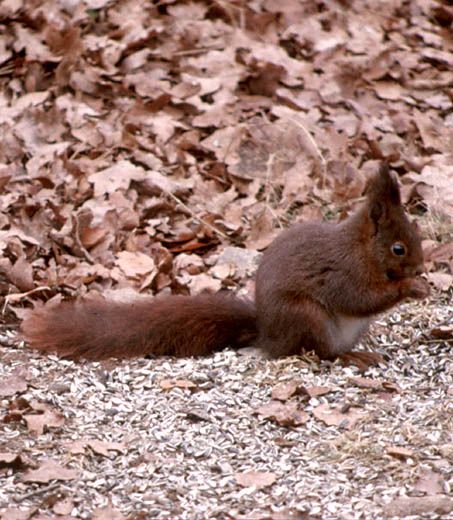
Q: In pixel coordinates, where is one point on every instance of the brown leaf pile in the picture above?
(138, 137)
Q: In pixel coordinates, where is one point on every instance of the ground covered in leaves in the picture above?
(160, 146)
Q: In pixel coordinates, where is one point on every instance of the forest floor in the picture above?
(160, 147)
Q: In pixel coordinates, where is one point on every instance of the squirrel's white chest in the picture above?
(346, 331)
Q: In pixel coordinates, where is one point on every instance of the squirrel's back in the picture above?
(317, 256)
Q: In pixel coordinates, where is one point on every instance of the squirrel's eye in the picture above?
(398, 249)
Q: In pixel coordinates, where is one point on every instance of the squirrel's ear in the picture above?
(382, 192)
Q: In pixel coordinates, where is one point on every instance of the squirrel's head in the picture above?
(396, 240)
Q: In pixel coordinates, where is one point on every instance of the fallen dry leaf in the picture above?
(366, 382)
(16, 410)
(375, 384)
(63, 507)
(50, 470)
(11, 460)
(442, 332)
(434, 184)
(203, 282)
(12, 385)
(76, 447)
(168, 384)
(283, 391)
(262, 232)
(107, 513)
(400, 453)
(440, 254)
(256, 479)
(417, 506)
(103, 448)
(13, 513)
(118, 176)
(286, 443)
(430, 482)
(334, 417)
(284, 414)
(21, 275)
(441, 281)
(135, 265)
(316, 391)
(46, 417)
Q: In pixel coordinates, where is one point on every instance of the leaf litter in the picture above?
(144, 146)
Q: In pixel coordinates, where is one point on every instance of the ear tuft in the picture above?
(384, 188)
(383, 192)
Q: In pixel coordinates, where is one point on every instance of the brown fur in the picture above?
(173, 325)
(318, 287)
(317, 278)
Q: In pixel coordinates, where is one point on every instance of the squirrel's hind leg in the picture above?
(294, 325)
(300, 324)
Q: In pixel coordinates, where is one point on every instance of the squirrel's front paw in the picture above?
(416, 288)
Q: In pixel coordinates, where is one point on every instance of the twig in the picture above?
(20, 296)
(269, 165)
(37, 492)
(192, 52)
(194, 215)
(314, 147)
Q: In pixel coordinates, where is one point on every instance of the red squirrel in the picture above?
(318, 287)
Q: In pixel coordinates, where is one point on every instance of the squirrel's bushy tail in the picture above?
(172, 325)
